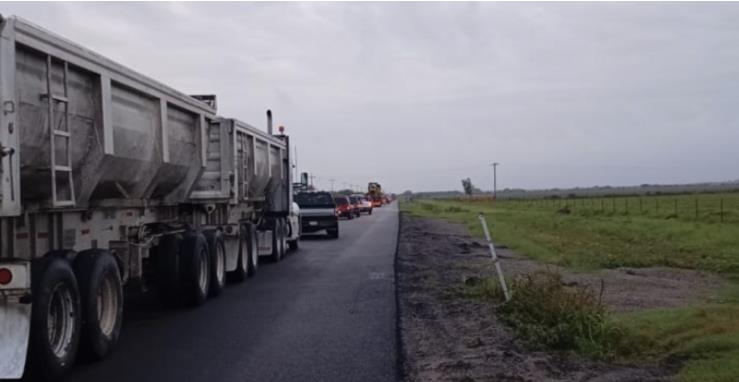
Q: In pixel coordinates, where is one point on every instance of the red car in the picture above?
(344, 207)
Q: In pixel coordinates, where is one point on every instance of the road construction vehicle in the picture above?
(374, 194)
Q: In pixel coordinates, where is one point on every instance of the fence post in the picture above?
(696, 208)
(494, 256)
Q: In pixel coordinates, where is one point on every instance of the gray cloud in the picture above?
(419, 95)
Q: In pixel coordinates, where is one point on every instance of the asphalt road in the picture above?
(325, 313)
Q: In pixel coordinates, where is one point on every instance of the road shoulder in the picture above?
(447, 338)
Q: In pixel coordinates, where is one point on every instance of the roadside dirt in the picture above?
(449, 338)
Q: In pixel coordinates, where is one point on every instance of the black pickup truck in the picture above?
(318, 212)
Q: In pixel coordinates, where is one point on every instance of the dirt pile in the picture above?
(449, 338)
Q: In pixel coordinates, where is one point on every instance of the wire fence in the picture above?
(713, 208)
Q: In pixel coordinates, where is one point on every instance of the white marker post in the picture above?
(495, 256)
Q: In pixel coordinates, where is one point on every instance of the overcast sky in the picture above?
(419, 95)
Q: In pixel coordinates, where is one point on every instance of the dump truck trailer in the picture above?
(111, 181)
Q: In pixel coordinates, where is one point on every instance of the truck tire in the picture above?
(252, 250)
(101, 298)
(166, 259)
(333, 232)
(195, 268)
(276, 241)
(217, 252)
(55, 319)
(370, 212)
(283, 237)
(288, 228)
(242, 262)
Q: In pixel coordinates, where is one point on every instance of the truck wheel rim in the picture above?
(254, 258)
(107, 305)
(203, 271)
(220, 271)
(60, 320)
(245, 258)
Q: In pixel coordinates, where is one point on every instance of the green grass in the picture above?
(583, 241)
(705, 338)
(708, 208)
(546, 314)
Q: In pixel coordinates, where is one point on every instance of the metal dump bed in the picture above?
(245, 165)
(79, 129)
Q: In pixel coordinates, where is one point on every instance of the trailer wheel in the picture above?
(333, 232)
(166, 258)
(217, 251)
(283, 237)
(55, 318)
(242, 262)
(252, 250)
(195, 268)
(276, 241)
(101, 297)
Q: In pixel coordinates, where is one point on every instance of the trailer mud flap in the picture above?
(15, 322)
(264, 238)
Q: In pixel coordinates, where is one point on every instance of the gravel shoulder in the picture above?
(445, 337)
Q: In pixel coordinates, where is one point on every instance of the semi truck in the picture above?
(111, 181)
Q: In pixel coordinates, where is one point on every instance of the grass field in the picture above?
(593, 237)
(709, 208)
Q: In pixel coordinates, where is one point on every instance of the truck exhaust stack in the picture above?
(269, 122)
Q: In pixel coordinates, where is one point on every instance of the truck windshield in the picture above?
(314, 200)
(341, 200)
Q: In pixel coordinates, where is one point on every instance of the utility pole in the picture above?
(332, 184)
(495, 180)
